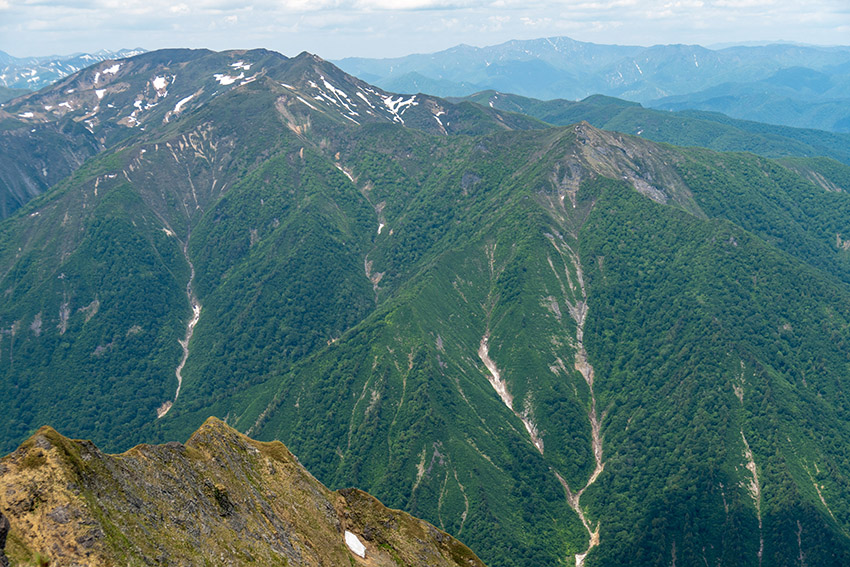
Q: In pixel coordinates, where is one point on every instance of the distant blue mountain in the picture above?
(33, 73)
(789, 84)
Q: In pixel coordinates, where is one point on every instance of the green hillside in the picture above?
(684, 128)
(7, 94)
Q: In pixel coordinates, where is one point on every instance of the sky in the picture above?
(335, 29)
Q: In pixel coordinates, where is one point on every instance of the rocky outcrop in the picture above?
(220, 499)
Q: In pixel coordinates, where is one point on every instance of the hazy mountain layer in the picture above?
(794, 96)
(33, 73)
(793, 85)
(8, 94)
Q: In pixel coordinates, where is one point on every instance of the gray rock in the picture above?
(4, 531)
(60, 515)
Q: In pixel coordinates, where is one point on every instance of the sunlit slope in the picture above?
(571, 343)
(103, 274)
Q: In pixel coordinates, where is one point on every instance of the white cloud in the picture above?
(337, 28)
(406, 5)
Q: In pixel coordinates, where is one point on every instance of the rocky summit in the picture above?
(220, 499)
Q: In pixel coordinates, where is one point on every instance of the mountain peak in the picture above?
(307, 55)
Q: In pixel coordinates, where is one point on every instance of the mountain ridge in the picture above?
(684, 128)
(111, 100)
(218, 498)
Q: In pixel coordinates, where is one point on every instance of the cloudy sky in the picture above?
(385, 28)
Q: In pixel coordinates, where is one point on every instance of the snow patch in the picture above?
(366, 100)
(241, 65)
(183, 101)
(340, 98)
(307, 103)
(112, 70)
(348, 175)
(398, 107)
(225, 80)
(26, 115)
(355, 545)
(159, 83)
(190, 329)
(100, 93)
(290, 87)
(333, 89)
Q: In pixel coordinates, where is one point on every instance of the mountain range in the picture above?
(34, 73)
(787, 84)
(559, 344)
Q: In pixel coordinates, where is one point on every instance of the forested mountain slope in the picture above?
(561, 345)
(683, 128)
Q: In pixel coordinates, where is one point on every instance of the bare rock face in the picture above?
(4, 531)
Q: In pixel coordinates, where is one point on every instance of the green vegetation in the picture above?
(683, 128)
(7, 94)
